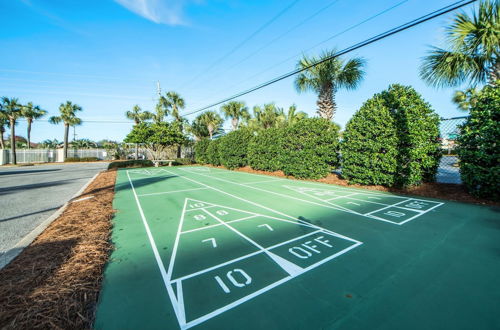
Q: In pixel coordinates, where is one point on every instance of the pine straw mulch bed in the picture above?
(449, 191)
(55, 282)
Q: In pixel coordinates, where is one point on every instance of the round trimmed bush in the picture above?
(265, 149)
(213, 156)
(393, 140)
(233, 148)
(200, 151)
(478, 149)
(310, 148)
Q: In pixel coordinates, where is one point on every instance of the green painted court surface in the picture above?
(198, 247)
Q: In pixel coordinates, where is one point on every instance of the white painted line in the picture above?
(176, 243)
(408, 220)
(171, 192)
(159, 262)
(265, 181)
(216, 225)
(388, 206)
(180, 305)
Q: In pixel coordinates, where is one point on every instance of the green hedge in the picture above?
(393, 140)
(310, 148)
(478, 151)
(265, 150)
(200, 151)
(130, 163)
(212, 154)
(80, 159)
(233, 148)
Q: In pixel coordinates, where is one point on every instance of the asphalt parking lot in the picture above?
(29, 195)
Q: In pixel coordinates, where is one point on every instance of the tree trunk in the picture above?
(235, 122)
(326, 103)
(29, 132)
(494, 73)
(65, 148)
(136, 151)
(2, 130)
(13, 141)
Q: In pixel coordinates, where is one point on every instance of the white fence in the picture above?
(50, 155)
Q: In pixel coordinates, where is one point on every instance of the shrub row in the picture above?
(307, 149)
(80, 159)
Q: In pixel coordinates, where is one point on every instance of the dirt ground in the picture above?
(55, 282)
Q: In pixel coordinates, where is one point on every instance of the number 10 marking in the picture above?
(231, 278)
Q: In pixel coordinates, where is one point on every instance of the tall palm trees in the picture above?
(137, 115)
(4, 121)
(465, 99)
(293, 116)
(174, 102)
(68, 116)
(212, 120)
(473, 52)
(31, 112)
(236, 111)
(327, 78)
(13, 110)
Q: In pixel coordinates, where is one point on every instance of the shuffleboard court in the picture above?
(201, 247)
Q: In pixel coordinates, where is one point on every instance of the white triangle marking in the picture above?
(288, 266)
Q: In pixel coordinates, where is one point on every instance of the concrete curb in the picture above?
(11, 254)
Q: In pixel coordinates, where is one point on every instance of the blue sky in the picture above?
(107, 55)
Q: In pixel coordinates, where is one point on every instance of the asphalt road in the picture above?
(29, 195)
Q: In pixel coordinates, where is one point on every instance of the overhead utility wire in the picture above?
(242, 43)
(282, 35)
(369, 41)
(320, 43)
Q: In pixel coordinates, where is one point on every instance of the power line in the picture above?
(242, 43)
(320, 43)
(283, 34)
(361, 44)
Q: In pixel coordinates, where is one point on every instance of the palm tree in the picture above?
(31, 112)
(473, 52)
(235, 110)
(174, 102)
(266, 117)
(212, 120)
(293, 116)
(138, 116)
(68, 116)
(465, 99)
(4, 121)
(160, 112)
(13, 110)
(50, 144)
(327, 78)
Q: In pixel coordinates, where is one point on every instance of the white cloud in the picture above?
(159, 11)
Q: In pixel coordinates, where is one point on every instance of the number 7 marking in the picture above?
(267, 226)
(214, 244)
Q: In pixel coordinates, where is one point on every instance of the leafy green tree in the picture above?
(213, 154)
(265, 149)
(67, 116)
(83, 144)
(465, 99)
(233, 148)
(13, 110)
(50, 144)
(478, 149)
(156, 137)
(212, 120)
(138, 116)
(473, 50)
(200, 151)
(31, 112)
(198, 129)
(327, 78)
(310, 148)
(235, 110)
(393, 140)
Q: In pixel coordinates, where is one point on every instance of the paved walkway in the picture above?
(29, 195)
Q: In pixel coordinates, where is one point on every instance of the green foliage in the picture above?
(130, 164)
(200, 151)
(162, 133)
(183, 161)
(265, 149)
(213, 156)
(80, 159)
(310, 148)
(478, 150)
(233, 148)
(393, 140)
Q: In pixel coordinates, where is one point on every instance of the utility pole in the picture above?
(74, 133)
(158, 88)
